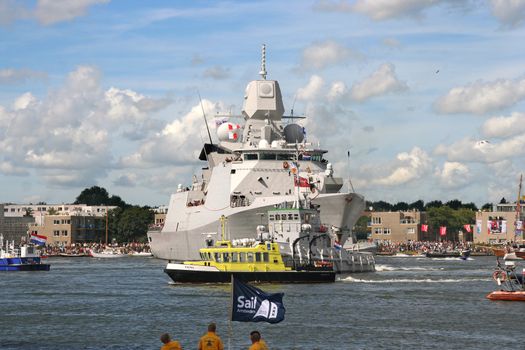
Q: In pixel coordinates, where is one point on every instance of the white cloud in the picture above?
(511, 13)
(408, 167)
(469, 150)
(337, 90)
(453, 175)
(67, 138)
(16, 76)
(217, 73)
(178, 143)
(482, 97)
(11, 11)
(379, 10)
(311, 90)
(382, 81)
(53, 11)
(327, 53)
(502, 127)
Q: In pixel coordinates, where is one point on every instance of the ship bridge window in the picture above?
(271, 217)
(235, 257)
(267, 156)
(290, 216)
(251, 156)
(296, 216)
(225, 257)
(217, 257)
(250, 257)
(285, 156)
(266, 257)
(242, 257)
(277, 217)
(317, 157)
(257, 257)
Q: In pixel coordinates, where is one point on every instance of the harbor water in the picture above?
(127, 303)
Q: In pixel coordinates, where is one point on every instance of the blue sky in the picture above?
(428, 95)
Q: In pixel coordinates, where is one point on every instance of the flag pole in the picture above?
(230, 328)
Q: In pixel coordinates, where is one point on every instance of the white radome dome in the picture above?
(229, 132)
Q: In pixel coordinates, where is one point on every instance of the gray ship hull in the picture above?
(186, 228)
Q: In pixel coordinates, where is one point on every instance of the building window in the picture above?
(56, 233)
(56, 222)
(378, 230)
(387, 231)
(376, 220)
(411, 230)
(64, 232)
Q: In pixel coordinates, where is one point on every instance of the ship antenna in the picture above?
(263, 62)
(204, 115)
(349, 180)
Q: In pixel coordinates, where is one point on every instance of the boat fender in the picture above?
(285, 165)
(499, 276)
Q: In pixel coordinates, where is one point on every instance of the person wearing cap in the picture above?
(210, 340)
(257, 342)
(168, 343)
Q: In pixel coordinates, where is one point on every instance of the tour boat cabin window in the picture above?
(285, 156)
(267, 156)
(250, 257)
(225, 257)
(242, 257)
(257, 257)
(217, 257)
(251, 156)
(235, 257)
(266, 257)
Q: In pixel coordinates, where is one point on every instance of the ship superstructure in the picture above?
(253, 168)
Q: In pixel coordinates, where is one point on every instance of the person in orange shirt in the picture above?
(257, 342)
(168, 343)
(210, 340)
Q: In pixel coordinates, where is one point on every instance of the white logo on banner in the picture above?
(267, 310)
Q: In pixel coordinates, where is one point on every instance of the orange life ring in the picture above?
(286, 165)
(499, 275)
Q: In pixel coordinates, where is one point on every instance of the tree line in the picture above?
(126, 223)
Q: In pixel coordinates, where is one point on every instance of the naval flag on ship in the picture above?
(251, 304)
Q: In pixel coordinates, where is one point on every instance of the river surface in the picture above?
(127, 303)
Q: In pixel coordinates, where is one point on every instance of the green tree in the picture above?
(452, 219)
(361, 228)
(93, 196)
(400, 206)
(486, 206)
(52, 211)
(418, 205)
(381, 206)
(433, 204)
(131, 223)
(28, 211)
(454, 204)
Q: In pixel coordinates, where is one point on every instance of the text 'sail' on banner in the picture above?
(251, 304)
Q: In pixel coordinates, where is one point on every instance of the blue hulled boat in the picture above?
(24, 258)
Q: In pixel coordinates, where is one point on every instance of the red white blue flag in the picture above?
(38, 239)
(337, 245)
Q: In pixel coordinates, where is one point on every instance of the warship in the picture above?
(252, 168)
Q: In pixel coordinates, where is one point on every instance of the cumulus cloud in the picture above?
(217, 73)
(482, 97)
(379, 10)
(68, 136)
(319, 55)
(311, 90)
(482, 151)
(53, 11)
(453, 175)
(511, 13)
(16, 76)
(380, 82)
(407, 167)
(502, 127)
(177, 144)
(337, 90)
(126, 180)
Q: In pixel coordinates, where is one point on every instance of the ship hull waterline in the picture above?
(178, 242)
(184, 276)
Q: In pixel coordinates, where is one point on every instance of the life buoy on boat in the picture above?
(285, 165)
(499, 275)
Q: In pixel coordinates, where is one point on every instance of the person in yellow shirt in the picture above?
(257, 342)
(168, 343)
(210, 340)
